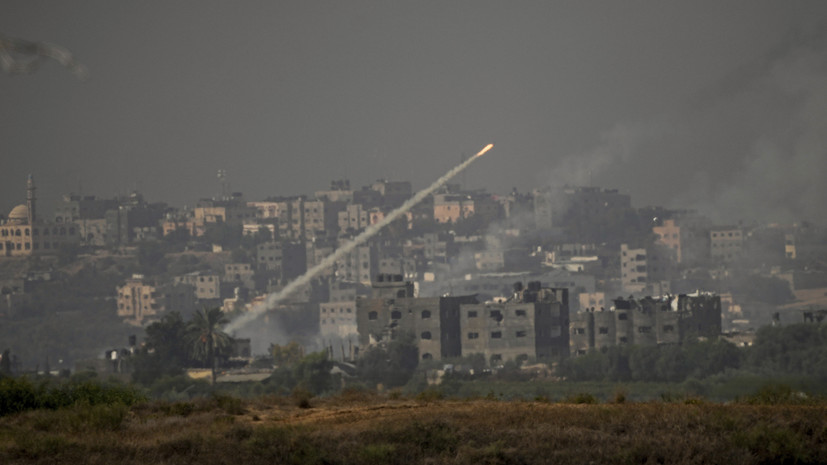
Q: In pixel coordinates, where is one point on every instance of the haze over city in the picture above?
(712, 105)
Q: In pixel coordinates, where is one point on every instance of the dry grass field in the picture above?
(363, 428)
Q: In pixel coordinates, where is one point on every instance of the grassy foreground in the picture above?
(364, 428)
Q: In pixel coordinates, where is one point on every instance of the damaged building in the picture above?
(647, 321)
(392, 310)
(531, 324)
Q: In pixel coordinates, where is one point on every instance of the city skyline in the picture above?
(696, 105)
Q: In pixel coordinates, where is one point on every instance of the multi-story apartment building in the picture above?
(207, 286)
(668, 234)
(353, 218)
(141, 301)
(240, 273)
(450, 208)
(533, 325)
(337, 316)
(269, 256)
(633, 270)
(725, 243)
(648, 321)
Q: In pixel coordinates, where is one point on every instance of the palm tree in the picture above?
(205, 337)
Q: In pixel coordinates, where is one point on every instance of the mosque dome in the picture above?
(19, 215)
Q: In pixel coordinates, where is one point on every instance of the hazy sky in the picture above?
(719, 105)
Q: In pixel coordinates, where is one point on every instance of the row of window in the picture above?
(29, 246)
(396, 315)
(497, 334)
(341, 310)
(641, 329)
(35, 232)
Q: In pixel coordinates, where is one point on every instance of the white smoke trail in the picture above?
(273, 299)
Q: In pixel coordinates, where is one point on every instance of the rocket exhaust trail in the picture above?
(275, 298)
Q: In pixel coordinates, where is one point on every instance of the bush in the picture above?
(21, 394)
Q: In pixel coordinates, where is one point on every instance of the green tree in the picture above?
(286, 355)
(313, 373)
(392, 366)
(164, 352)
(205, 338)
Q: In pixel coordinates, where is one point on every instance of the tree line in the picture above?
(799, 350)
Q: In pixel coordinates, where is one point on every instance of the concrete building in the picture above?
(23, 234)
(589, 207)
(141, 301)
(450, 208)
(532, 325)
(359, 265)
(352, 219)
(134, 220)
(633, 270)
(240, 273)
(725, 243)
(207, 286)
(394, 193)
(668, 234)
(337, 316)
(646, 322)
(266, 210)
(269, 256)
(339, 192)
(433, 321)
(233, 211)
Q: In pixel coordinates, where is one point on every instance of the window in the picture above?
(520, 313)
(425, 335)
(426, 314)
(427, 356)
(496, 314)
(496, 334)
(622, 316)
(603, 330)
(579, 330)
(668, 328)
(520, 334)
(472, 314)
(644, 329)
(373, 315)
(396, 314)
(473, 335)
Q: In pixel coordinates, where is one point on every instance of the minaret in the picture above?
(30, 198)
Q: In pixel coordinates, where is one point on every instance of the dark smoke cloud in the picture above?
(751, 147)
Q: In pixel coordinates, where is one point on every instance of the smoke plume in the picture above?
(277, 297)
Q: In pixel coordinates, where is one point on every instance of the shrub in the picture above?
(580, 398)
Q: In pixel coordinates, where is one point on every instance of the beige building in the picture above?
(240, 273)
(633, 273)
(669, 235)
(206, 285)
(23, 234)
(353, 218)
(141, 301)
(450, 208)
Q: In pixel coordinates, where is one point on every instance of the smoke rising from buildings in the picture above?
(749, 146)
(275, 298)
